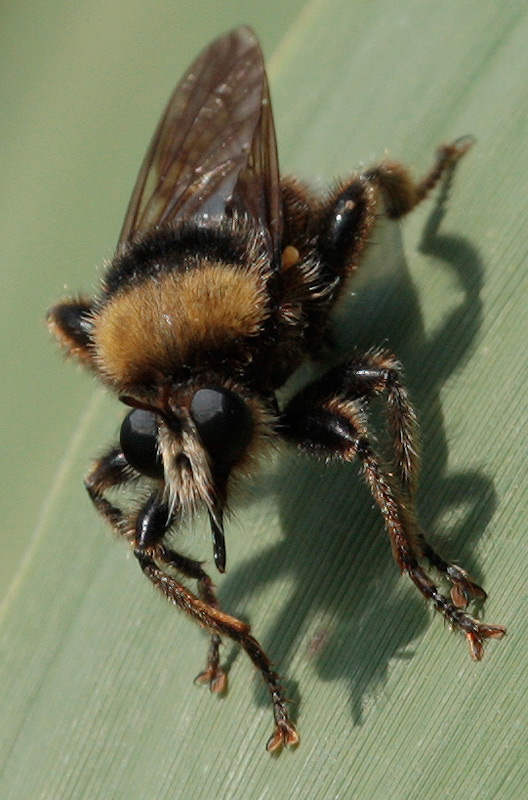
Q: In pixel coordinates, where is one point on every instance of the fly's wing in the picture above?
(214, 151)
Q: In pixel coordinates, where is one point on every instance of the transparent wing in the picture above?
(214, 151)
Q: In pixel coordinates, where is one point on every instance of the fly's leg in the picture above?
(145, 528)
(325, 239)
(213, 675)
(218, 622)
(377, 374)
(401, 193)
(326, 419)
(110, 471)
(463, 587)
(71, 323)
(347, 216)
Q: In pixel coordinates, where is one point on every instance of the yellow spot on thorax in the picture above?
(290, 256)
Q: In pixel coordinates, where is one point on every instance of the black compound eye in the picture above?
(139, 443)
(224, 422)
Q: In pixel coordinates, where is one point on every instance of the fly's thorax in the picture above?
(181, 299)
(162, 324)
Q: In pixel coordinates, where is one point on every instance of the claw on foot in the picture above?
(463, 589)
(216, 679)
(285, 734)
(475, 638)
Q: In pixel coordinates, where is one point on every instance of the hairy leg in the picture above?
(327, 418)
(347, 216)
(145, 528)
(222, 624)
(70, 322)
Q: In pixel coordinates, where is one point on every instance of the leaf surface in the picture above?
(96, 670)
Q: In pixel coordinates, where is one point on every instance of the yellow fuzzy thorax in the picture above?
(159, 325)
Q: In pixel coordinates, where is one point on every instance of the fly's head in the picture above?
(193, 439)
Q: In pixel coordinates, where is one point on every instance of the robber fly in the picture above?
(223, 283)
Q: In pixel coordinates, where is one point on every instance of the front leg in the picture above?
(213, 675)
(146, 527)
(327, 419)
(71, 323)
(208, 615)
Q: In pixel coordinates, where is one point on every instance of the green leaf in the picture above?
(96, 670)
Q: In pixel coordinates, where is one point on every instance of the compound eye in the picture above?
(224, 423)
(139, 443)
